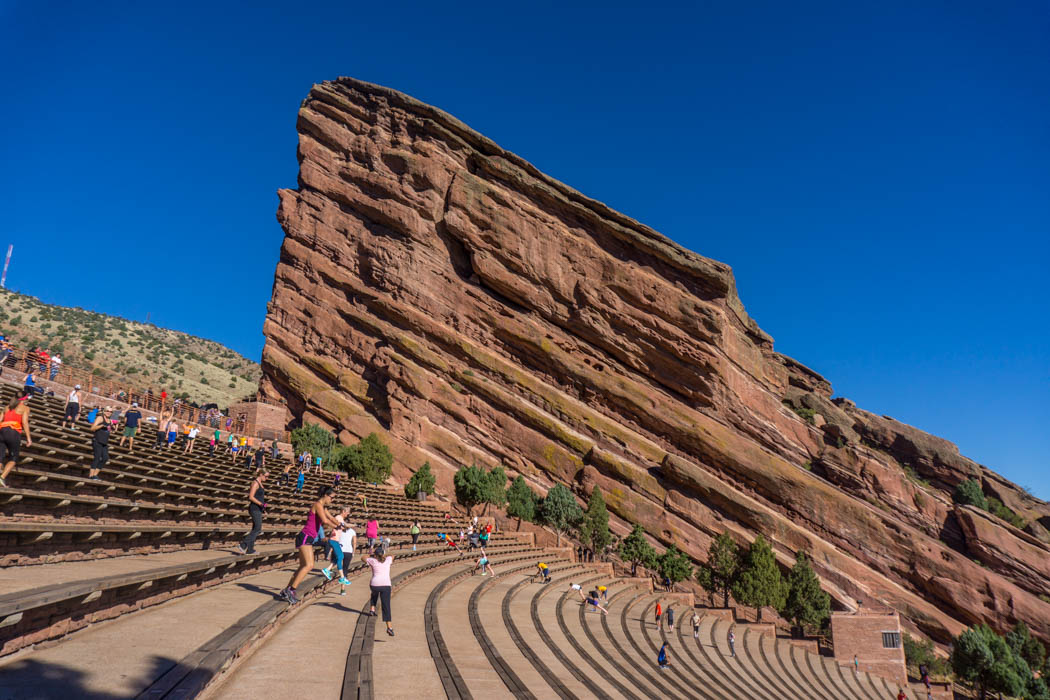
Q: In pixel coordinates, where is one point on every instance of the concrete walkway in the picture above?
(119, 659)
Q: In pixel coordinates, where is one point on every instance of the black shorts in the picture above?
(10, 444)
(303, 540)
(72, 411)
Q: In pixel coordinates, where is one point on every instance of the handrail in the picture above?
(124, 390)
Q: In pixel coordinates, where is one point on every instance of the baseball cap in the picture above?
(77, 386)
(134, 404)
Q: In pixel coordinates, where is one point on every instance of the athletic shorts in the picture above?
(130, 432)
(303, 540)
(171, 437)
(10, 444)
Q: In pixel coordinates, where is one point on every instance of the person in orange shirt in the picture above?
(14, 423)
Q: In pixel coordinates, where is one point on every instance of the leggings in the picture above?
(101, 455)
(382, 593)
(249, 541)
(415, 538)
(337, 554)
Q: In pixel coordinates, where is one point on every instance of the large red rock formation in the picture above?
(445, 293)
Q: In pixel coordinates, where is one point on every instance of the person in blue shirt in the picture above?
(30, 384)
(661, 658)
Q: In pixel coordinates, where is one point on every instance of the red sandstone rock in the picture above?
(443, 292)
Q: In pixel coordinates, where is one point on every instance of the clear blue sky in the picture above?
(877, 174)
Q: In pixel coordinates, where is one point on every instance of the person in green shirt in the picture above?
(414, 531)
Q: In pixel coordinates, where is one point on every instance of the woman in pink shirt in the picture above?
(372, 532)
(380, 583)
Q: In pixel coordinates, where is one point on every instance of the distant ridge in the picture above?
(185, 365)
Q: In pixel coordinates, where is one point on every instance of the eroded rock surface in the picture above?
(445, 293)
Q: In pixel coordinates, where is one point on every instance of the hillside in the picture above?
(185, 365)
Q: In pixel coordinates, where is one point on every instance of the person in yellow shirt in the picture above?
(603, 592)
(544, 572)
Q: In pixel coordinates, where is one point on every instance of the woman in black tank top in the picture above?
(100, 442)
(256, 506)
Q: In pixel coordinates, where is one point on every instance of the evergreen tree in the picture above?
(313, 438)
(806, 603)
(1026, 646)
(637, 550)
(423, 480)
(470, 484)
(496, 488)
(594, 530)
(674, 565)
(969, 492)
(369, 460)
(760, 583)
(984, 659)
(560, 511)
(521, 501)
(723, 564)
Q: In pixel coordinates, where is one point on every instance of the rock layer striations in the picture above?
(443, 292)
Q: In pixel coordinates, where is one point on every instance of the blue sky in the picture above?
(877, 174)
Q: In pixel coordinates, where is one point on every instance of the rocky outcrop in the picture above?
(442, 291)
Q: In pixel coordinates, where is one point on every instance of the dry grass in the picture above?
(184, 365)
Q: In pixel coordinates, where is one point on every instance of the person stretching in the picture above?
(592, 600)
(579, 589)
(304, 542)
(380, 563)
(662, 658)
(483, 564)
(545, 572)
(15, 422)
(342, 541)
(256, 506)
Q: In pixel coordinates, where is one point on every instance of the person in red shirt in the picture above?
(659, 611)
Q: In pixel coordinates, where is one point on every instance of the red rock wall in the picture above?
(443, 292)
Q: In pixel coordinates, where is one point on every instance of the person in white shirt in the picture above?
(343, 542)
(56, 365)
(191, 437)
(72, 408)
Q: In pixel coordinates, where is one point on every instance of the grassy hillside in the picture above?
(185, 365)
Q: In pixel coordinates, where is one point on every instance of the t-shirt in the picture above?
(576, 587)
(542, 565)
(133, 417)
(380, 571)
(91, 415)
(372, 529)
(344, 537)
(194, 432)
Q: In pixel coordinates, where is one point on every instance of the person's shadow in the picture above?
(30, 679)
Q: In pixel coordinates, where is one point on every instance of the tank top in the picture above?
(310, 529)
(13, 420)
(101, 436)
(260, 495)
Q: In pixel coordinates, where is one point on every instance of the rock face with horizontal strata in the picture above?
(443, 292)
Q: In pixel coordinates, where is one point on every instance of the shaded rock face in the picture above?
(441, 291)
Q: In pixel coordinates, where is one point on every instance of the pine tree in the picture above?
(674, 565)
(983, 658)
(368, 460)
(495, 488)
(521, 501)
(423, 480)
(470, 484)
(760, 583)
(723, 564)
(807, 603)
(560, 511)
(594, 530)
(637, 550)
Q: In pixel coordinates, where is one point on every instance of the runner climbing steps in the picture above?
(572, 614)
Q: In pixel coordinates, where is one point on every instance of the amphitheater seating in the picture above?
(150, 547)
